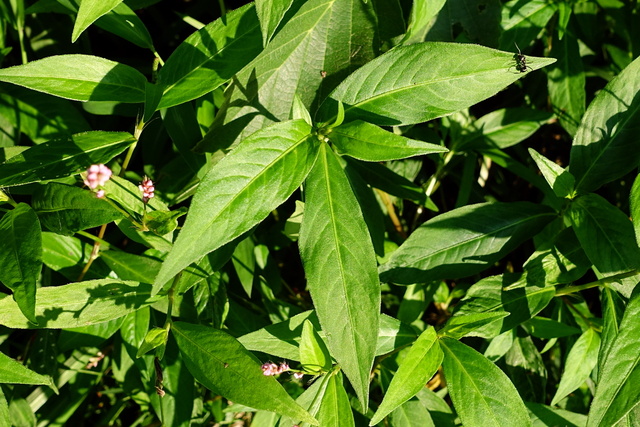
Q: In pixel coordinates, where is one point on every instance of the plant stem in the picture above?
(602, 282)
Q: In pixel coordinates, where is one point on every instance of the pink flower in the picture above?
(284, 367)
(298, 375)
(147, 189)
(269, 369)
(97, 176)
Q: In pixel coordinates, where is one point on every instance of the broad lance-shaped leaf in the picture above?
(558, 178)
(415, 370)
(581, 360)
(89, 12)
(481, 393)
(13, 372)
(319, 46)
(270, 14)
(605, 146)
(464, 241)
(424, 81)
(605, 233)
(63, 157)
(21, 256)
(241, 190)
(223, 365)
(340, 266)
(617, 391)
(79, 77)
(364, 141)
(79, 304)
(210, 56)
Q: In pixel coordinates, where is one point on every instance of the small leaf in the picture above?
(271, 163)
(411, 414)
(559, 179)
(223, 365)
(21, 257)
(79, 77)
(163, 222)
(464, 241)
(89, 12)
(415, 370)
(364, 141)
(481, 393)
(79, 304)
(299, 111)
(155, 338)
(541, 327)
(12, 372)
(460, 326)
(270, 14)
(581, 360)
(63, 157)
(314, 355)
(420, 82)
(634, 202)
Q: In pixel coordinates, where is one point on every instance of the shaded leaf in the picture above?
(460, 326)
(13, 372)
(558, 178)
(89, 12)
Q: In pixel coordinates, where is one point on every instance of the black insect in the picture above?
(521, 61)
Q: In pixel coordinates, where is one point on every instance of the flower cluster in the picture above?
(147, 189)
(97, 176)
(271, 368)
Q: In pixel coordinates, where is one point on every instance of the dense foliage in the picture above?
(319, 212)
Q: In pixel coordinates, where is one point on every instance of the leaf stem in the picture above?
(602, 282)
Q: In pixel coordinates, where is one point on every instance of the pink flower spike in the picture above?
(147, 189)
(284, 367)
(269, 369)
(97, 176)
(100, 194)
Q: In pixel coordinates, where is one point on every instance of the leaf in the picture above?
(320, 45)
(604, 146)
(79, 304)
(525, 368)
(241, 190)
(634, 206)
(89, 12)
(422, 12)
(128, 266)
(155, 338)
(617, 392)
(429, 80)
(605, 233)
(581, 360)
(504, 293)
(460, 326)
(340, 266)
(79, 77)
(364, 141)
(411, 414)
(481, 393)
(65, 209)
(210, 57)
(271, 14)
(63, 157)
(314, 355)
(416, 369)
(543, 416)
(21, 256)
(221, 363)
(541, 327)
(523, 21)
(464, 241)
(13, 372)
(558, 178)
(335, 409)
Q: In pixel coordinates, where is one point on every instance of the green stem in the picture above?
(223, 7)
(434, 182)
(602, 282)
(170, 296)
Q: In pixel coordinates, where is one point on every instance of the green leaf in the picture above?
(5, 418)
(223, 365)
(335, 409)
(319, 46)
(210, 57)
(559, 179)
(415, 370)
(634, 206)
(566, 82)
(523, 21)
(21, 256)
(604, 148)
(502, 128)
(422, 12)
(89, 12)
(13, 372)
(128, 266)
(340, 265)
(65, 209)
(271, 13)
(617, 392)
(429, 80)
(155, 338)
(481, 393)
(123, 22)
(314, 355)
(544, 416)
(460, 326)
(129, 197)
(464, 241)
(504, 293)
(525, 368)
(241, 190)
(63, 157)
(605, 233)
(581, 360)
(79, 304)
(541, 327)
(79, 77)
(163, 222)
(411, 414)
(364, 141)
